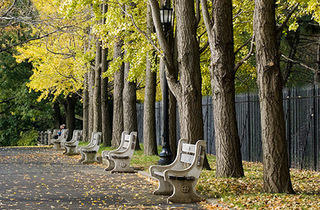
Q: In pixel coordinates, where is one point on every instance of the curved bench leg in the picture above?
(110, 163)
(184, 192)
(90, 157)
(56, 146)
(122, 165)
(164, 188)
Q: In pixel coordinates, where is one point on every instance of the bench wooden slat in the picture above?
(190, 148)
(186, 158)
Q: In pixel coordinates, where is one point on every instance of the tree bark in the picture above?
(172, 124)
(118, 84)
(90, 113)
(149, 118)
(70, 106)
(190, 99)
(188, 89)
(97, 90)
(130, 122)
(85, 108)
(276, 176)
(105, 112)
(220, 35)
(58, 119)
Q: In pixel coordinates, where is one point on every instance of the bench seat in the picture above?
(90, 151)
(178, 180)
(119, 160)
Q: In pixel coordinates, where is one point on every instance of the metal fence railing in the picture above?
(301, 109)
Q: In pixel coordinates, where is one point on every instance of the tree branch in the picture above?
(9, 9)
(301, 64)
(242, 46)
(138, 28)
(206, 17)
(237, 66)
(280, 28)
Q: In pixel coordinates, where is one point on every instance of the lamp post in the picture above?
(165, 155)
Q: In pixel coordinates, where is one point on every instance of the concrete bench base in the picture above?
(89, 157)
(71, 150)
(57, 146)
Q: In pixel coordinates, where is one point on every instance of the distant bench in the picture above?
(71, 146)
(119, 160)
(58, 144)
(90, 151)
(180, 178)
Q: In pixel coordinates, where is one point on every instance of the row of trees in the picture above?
(110, 51)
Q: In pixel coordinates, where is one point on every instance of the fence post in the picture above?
(289, 139)
(249, 127)
(315, 144)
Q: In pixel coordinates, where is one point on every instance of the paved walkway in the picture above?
(41, 178)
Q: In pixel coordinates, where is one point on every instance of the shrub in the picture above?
(28, 138)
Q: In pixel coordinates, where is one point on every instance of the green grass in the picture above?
(247, 192)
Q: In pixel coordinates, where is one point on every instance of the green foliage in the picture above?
(28, 138)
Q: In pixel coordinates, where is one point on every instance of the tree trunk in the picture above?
(58, 119)
(172, 124)
(85, 112)
(187, 90)
(90, 114)
(276, 176)
(149, 118)
(190, 99)
(105, 112)
(70, 106)
(220, 35)
(118, 84)
(130, 122)
(97, 90)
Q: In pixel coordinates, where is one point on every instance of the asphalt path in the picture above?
(42, 178)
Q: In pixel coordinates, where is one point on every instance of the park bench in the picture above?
(90, 151)
(180, 177)
(119, 160)
(71, 146)
(51, 134)
(58, 144)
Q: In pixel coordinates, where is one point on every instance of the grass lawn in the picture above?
(246, 192)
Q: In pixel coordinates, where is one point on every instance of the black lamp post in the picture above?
(165, 155)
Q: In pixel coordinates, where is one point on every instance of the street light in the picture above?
(166, 154)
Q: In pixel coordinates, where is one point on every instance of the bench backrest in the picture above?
(95, 139)
(64, 134)
(76, 136)
(128, 143)
(190, 156)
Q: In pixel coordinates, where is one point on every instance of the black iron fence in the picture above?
(301, 109)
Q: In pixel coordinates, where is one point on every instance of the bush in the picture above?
(28, 138)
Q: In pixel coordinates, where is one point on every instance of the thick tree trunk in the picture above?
(70, 106)
(130, 122)
(58, 119)
(276, 176)
(149, 118)
(85, 110)
(105, 112)
(149, 121)
(229, 161)
(90, 113)
(172, 124)
(118, 84)
(190, 99)
(97, 90)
